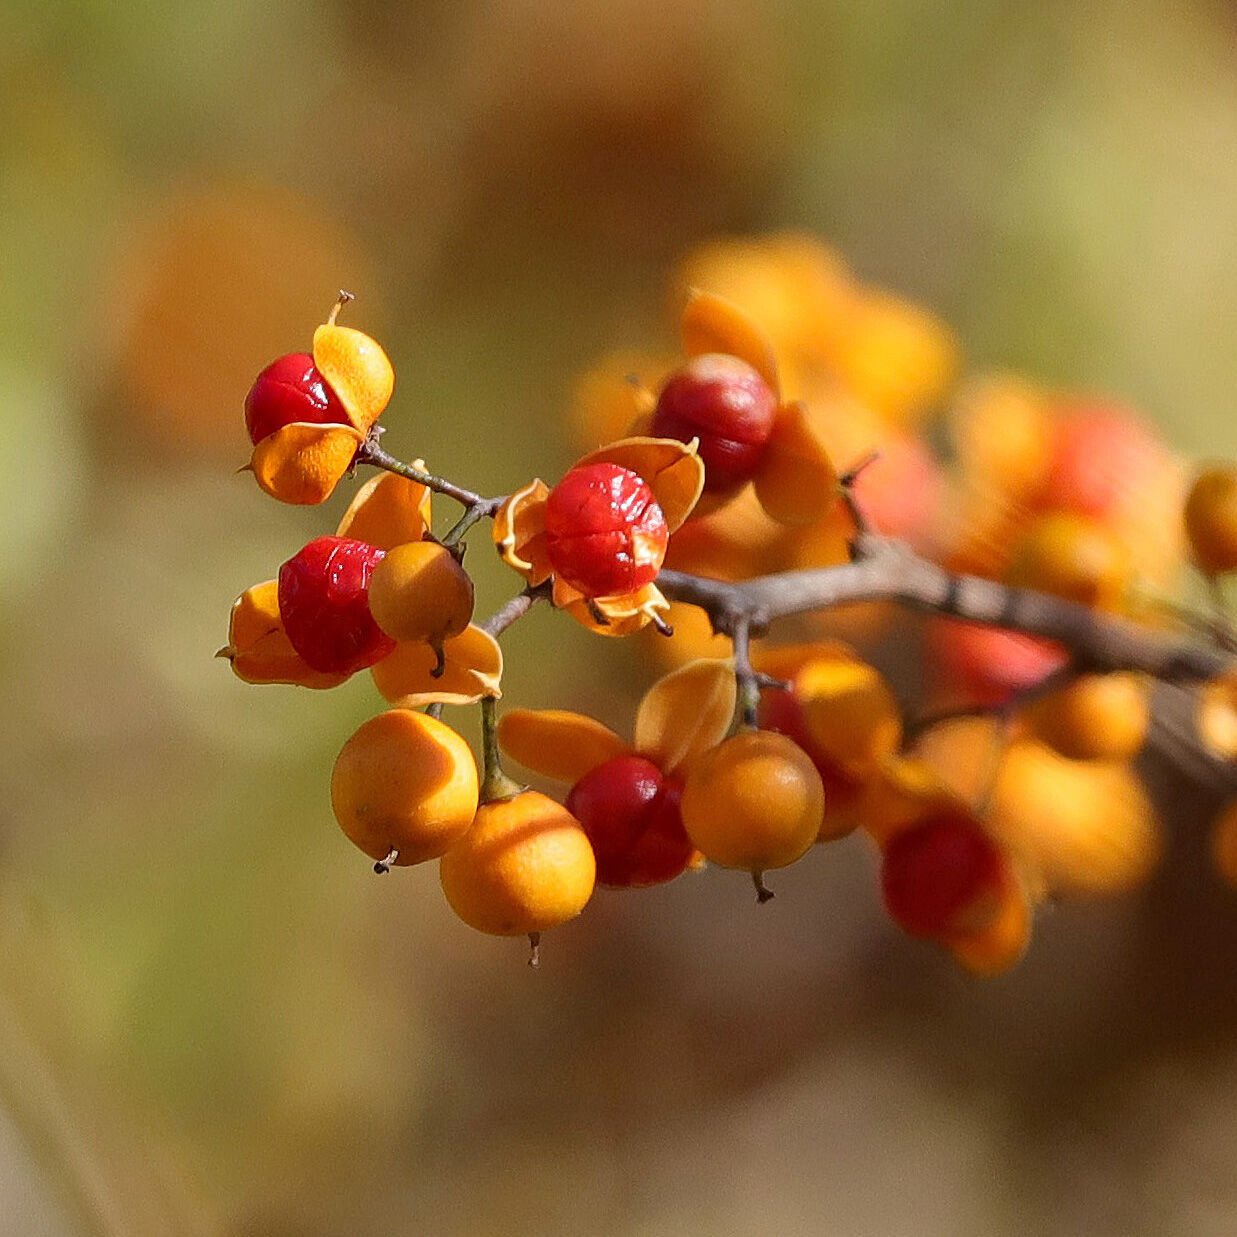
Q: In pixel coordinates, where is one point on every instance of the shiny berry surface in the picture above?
(287, 390)
(605, 532)
(324, 604)
(941, 876)
(630, 812)
(727, 405)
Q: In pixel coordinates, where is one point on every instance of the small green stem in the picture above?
(747, 681)
(463, 524)
(495, 784)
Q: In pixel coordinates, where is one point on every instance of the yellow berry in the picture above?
(1097, 717)
(1211, 518)
(754, 802)
(420, 592)
(404, 782)
(524, 866)
(1074, 557)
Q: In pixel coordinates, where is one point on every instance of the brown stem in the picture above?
(371, 452)
(891, 571)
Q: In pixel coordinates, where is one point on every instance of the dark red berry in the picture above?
(630, 811)
(605, 532)
(287, 390)
(324, 605)
(727, 405)
(942, 876)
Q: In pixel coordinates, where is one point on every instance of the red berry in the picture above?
(941, 876)
(987, 665)
(324, 605)
(605, 532)
(287, 390)
(630, 811)
(727, 405)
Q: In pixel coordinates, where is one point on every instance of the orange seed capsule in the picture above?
(404, 782)
(524, 866)
(753, 802)
(420, 592)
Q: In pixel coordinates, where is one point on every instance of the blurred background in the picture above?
(214, 1019)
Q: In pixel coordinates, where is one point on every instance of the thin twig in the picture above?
(371, 452)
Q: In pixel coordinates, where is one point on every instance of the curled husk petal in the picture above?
(850, 713)
(796, 481)
(557, 743)
(711, 323)
(302, 463)
(620, 615)
(685, 713)
(902, 792)
(258, 648)
(519, 532)
(672, 469)
(473, 669)
(388, 510)
(358, 371)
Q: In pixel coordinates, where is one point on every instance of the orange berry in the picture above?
(420, 592)
(1074, 557)
(1211, 518)
(753, 802)
(1217, 716)
(524, 866)
(995, 948)
(404, 782)
(1098, 717)
(1224, 843)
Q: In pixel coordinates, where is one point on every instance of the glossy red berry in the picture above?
(287, 390)
(727, 405)
(605, 532)
(324, 604)
(941, 876)
(630, 811)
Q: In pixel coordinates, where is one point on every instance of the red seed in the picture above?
(605, 532)
(324, 604)
(941, 876)
(287, 390)
(630, 811)
(727, 405)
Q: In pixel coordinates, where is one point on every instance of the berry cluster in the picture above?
(713, 487)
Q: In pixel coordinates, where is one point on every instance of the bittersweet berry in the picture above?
(1211, 518)
(728, 406)
(523, 866)
(404, 787)
(324, 604)
(942, 876)
(605, 532)
(630, 811)
(753, 802)
(421, 592)
(289, 390)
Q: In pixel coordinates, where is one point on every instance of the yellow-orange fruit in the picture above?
(1217, 716)
(754, 802)
(1086, 827)
(1098, 717)
(405, 782)
(525, 865)
(420, 592)
(1211, 518)
(1074, 557)
(1224, 843)
(995, 948)
(357, 369)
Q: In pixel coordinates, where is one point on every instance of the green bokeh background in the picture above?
(214, 1019)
